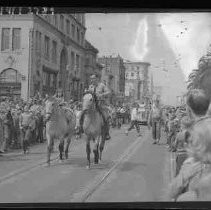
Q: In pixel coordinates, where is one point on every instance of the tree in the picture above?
(201, 77)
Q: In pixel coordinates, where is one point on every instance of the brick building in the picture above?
(113, 74)
(137, 83)
(91, 64)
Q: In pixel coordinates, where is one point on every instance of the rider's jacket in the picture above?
(102, 92)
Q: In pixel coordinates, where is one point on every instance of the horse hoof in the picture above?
(87, 167)
(61, 161)
(47, 165)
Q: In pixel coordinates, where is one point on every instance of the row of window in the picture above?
(49, 79)
(133, 68)
(47, 47)
(54, 53)
(66, 27)
(11, 39)
(131, 74)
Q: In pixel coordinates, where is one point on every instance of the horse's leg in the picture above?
(49, 140)
(88, 151)
(96, 152)
(61, 148)
(101, 147)
(68, 140)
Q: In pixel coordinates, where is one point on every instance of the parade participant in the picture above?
(101, 91)
(78, 111)
(24, 123)
(8, 130)
(154, 121)
(134, 120)
(59, 95)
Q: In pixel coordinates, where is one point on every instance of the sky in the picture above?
(172, 41)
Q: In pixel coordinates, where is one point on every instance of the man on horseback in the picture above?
(102, 92)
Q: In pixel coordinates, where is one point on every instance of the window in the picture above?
(56, 21)
(137, 67)
(16, 39)
(54, 52)
(78, 35)
(62, 22)
(38, 41)
(68, 27)
(82, 38)
(47, 47)
(77, 61)
(48, 79)
(132, 74)
(72, 60)
(5, 42)
(87, 61)
(51, 80)
(73, 31)
(44, 78)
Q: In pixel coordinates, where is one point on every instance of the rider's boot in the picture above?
(81, 123)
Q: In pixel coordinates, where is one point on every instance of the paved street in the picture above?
(132, 169)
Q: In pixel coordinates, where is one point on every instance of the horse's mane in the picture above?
(93, 95)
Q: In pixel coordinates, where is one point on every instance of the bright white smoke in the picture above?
(139, 48)
(189, 35)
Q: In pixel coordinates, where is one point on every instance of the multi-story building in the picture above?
(91, 64)
(137, 83)
(41, 52)
(113, 74)
(158, 93)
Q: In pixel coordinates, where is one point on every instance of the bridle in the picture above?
(49, 113)
(93, 96)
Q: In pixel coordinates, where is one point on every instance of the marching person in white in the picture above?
(134, 120)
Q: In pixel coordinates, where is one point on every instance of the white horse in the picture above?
(60, 124)
(93, 127)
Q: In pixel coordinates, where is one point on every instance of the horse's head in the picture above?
(50, 105)
(89, 101)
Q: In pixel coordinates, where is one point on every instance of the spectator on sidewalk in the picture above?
(1, 133)
(134, 120)
(25, 119)
(181, 143)
(186, 185)
(8, 130)
(154, 121)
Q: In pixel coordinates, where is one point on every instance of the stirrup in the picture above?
(107, 137)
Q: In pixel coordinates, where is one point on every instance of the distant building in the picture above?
(158, 93)
(91, 64)
(41, 53)
(137, 83)
(113, 74)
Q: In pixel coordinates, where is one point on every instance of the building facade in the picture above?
(137, 83)
(91, 64)
(113, 74)
(42, 52)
